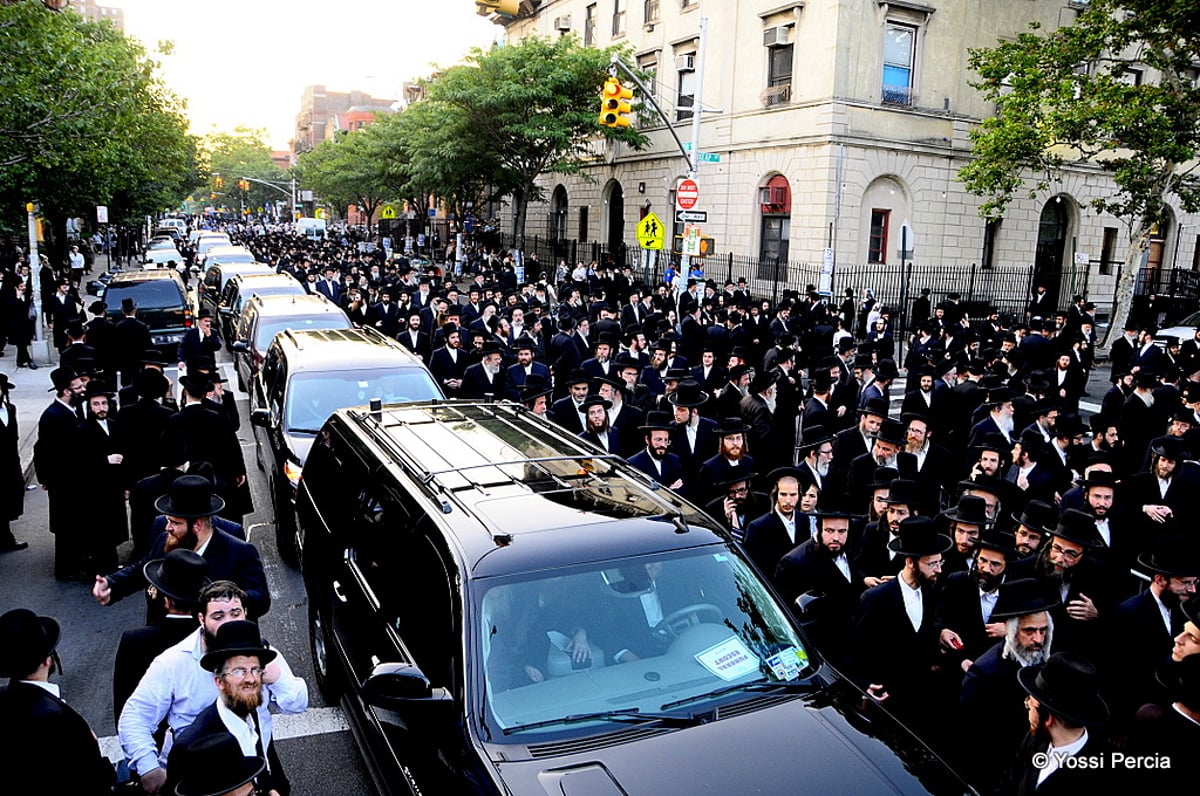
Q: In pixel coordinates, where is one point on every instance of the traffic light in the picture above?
(615, 104)
(510, 7)
(219, 181)
(243, 185)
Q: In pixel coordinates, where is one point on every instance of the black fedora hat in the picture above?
(735, 373)
(26, 639)
(1068, 425)
(886, 370)
(1173, 448)
(874, 406)
(918, 537)
(787, 472)
(764, 379)
(1099, 478)
(204, 312)
(1021, 598)
(197, 384)
(1078, 527)
(970, 509)
(908, 417)
(1068, 685)
(893, 431)
(902, 490)
(1000, 395)
(814, 436)
(190, 497)
(61, 378)
(735, 475)
(1000, 541)
(688, 394)
(96, 388)
(993, 442)
(152, 356)
(534, 388)
(731, 425)
(595, 400)
(883, 477)
(1173, 556)
(1038, 516)
(151, 384)
(180, 576)
(578, 376)
(239, 637)
(1182, 680)
(5, 383)
(991, 485)
(524, 343)
(658, 421)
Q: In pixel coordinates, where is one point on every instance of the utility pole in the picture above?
(35, 273)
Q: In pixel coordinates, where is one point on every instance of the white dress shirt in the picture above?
(1055, 754)
(913, 602)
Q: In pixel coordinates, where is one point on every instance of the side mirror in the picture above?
(392, 683)
(241, 346)
(260, 418)
(93, 288)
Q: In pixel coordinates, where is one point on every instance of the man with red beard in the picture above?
(189, 506)
(238, 661)
(177, 689)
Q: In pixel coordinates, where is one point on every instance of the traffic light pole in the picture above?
(693, 157)
(279, 188)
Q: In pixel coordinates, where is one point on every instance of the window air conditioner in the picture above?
(685, 63)
(778, 36)
(562, 23)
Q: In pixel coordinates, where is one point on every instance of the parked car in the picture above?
(307, 375)
(453, 552)
(162, 304)
(241, 288)
(212, 286)
(266, 316)
(162, 258)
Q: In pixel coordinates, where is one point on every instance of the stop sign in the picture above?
(687, 194)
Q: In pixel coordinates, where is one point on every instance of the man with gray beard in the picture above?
(990, 708)
(485, 380)
(758, 410)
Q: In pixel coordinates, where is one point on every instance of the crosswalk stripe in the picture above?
(314, 721)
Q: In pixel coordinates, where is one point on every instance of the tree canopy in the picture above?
(227, 157)
(1117, 90)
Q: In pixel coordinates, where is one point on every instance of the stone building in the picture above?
(835, 124)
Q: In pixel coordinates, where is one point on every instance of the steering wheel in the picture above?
(677, 621)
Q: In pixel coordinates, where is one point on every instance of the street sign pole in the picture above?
(685, 260)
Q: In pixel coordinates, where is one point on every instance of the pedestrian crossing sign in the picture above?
(650, 232)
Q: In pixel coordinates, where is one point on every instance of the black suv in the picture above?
(504, 608)
(162, 304)
(306, 376)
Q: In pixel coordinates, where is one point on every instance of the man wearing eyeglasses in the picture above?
(177, 688)
(239, 660)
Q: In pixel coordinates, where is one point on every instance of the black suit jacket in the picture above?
(960, 609)
(806, 569)
(141, 426)
(48, 747)
(475, 384)
(882, 624)
(226, 558)
(672, 468)
(767, 541)
(208, 722)
(1146, 643)
(53, 453)
(564, 413)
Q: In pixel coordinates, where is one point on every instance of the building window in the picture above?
(618, 19)
(779, 76)
(651, 11)
(1108, 250)
(687, 94)
(688, 3)
(589, 26)
(878, 239)
(583, 224)
(899, 58)
(649, 66)
(990, 231)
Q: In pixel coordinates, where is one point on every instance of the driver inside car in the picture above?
(636, 608)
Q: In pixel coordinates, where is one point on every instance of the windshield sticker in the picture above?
(787, 664)
(728, 660)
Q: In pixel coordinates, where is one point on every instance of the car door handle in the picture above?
(337, 592)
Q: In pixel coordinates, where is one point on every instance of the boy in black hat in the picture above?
(48, 747)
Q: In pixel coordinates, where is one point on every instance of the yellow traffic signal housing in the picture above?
(615, 104)
(219, 181)
(243, 185)
(510, 7)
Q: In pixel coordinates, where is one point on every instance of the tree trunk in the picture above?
(520, 210)
(1123, 293)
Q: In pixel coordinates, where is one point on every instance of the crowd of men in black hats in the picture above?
(1001, 575)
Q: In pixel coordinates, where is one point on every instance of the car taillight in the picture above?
(291, 471)
(187, 319)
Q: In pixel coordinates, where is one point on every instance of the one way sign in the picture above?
(650, 232)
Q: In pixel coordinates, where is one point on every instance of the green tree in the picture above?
(509, 115)
(354, 168)
(1067, 96)
(233, 155)
(85, 121)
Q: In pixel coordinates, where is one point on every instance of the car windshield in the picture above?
(154, 294)
(313, 397)
(663, 634)
(269, 327)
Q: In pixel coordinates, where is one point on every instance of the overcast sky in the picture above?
(247, 62)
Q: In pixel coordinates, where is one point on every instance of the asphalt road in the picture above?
(318, 752)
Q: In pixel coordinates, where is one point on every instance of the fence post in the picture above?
(971, 285)
(775, 285)
(729, 267)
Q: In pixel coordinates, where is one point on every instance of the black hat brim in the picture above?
(944, 543)
(165, 505)
(154, 575)
(247, 770)
(211, 660)
(1095, 712)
